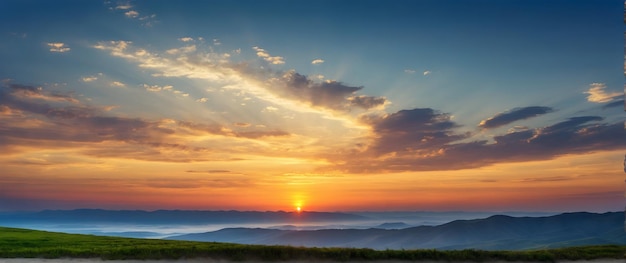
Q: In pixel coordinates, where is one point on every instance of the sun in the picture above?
(299, 209)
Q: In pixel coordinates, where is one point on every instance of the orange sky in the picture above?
(271, 105)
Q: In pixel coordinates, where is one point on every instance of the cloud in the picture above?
(117, 84)
(274, 87)
(220, 130)
(617, 103)
(276, 60)
(414, 131)
(327, 94)
(89, 79)
(423, 139)
(123, 7)
(35, 117)
(242, 124)
(409, 71)
(70, 121)
(157, 88)
(146, 20)
(58, 47)
(131, 14)
(368, 102)
(30, 92)
(427, 72)
(186, 39)
(514, 115)
(598, 94)
(270, 109)
(548, 179)
(317, 61)
(202, 100)
(183, 62)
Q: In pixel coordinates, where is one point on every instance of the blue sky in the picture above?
(310, 88)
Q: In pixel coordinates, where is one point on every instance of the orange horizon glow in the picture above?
(567, 183)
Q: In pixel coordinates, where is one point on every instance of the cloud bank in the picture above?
(423, 139)
(514, 115)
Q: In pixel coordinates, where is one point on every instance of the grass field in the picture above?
(24, 243)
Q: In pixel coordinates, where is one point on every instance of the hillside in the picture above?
(24, 243)
(492, 233)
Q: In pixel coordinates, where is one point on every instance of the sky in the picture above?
(422, 105)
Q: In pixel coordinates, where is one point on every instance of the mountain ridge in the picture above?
(176, 216)
(492, 233)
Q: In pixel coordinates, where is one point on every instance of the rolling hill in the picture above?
(492, 233)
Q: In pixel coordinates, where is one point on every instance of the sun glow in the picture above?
(299, 209)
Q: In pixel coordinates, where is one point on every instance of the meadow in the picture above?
(25, 243)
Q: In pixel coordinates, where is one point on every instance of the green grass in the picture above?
(24, 243)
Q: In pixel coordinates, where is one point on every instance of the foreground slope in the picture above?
(24, 243)
(493, 233)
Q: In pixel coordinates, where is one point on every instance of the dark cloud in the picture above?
(570, 124)
(413, 130)
(328, 94)
(423, 139)
(367, 102)
(617, 103)
(513, 115)
(38, 92)
(63, 122)
(67, 121)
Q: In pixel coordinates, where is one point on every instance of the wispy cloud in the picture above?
(130, 11)
(123, 7)
(427, 72)
(596, 93)
(117, 84)
(157, 88)
(58, 47)
(276, 60)
(317, 61)
(186, 39)
(89, 79)
(409, 71)
(270, 86)
(63, 121)
(327, 94)
(131, 14)
(514, 115)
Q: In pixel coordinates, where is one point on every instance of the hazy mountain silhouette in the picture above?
(393, 225)
(173, 216)
(492, 233)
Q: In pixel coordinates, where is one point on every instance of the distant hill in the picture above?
(393, 225)
(492, 233)
(84, 216)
